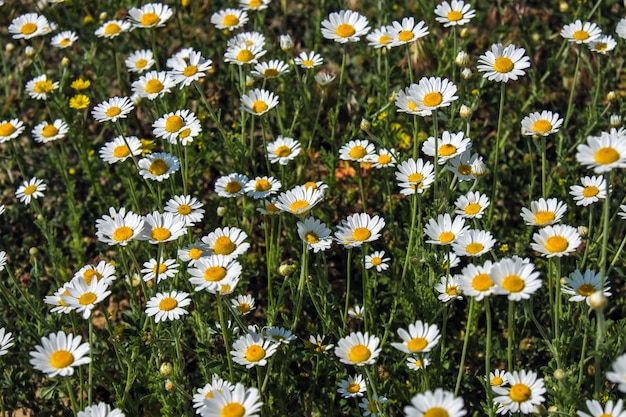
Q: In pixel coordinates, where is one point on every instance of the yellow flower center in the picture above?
(162, 269)
(255, 353)
(298, 206)
(482, 282)
(384, 159)
(513, 283)
(254, 4)
(112, 111)
(542, 126)
(168, 304)
(601, 46)
(6, 129)
(556, 244)
(283, 151)
(307, 63)
(446, 237)
(190, 70)
(519, 393)
(417, 344)
(244, 55)
(141, 63)
(49, 131)
(184, 133)
(122, 234)
(233, 410)
(465, 169)
(503, 65)
(195, 253)
(580, 35)
(357, 152)
(90, 274)
(590, 191)
(112, 29)
(61, 359)
(64, 42)
(472, 209)
(474, 248)
(160, 233)
(345, 30)
(405, 35)
(174, 123)
(586, 290)
(376, 261)
(447, 149)
(87, 299)
(28, 28)
(311, 238)
(214, 273)
(454, 15)
(29, 190)
(42, 87)
(259, 106)
(270, 73)
(432, 99)
(184, 209)
(359, 353)
(209, 395)
(154, 86)
(121, 151)
(243, 307)
(416, 177)
(412, 105)
(606, 156)
(150, 19)
(452, 290)
(233, 187)
(543, 217)
(353, 387)
(497, 381)
(230, 20)
(436, 412)
(158, 167)
(224, 246)
(361, 234)
(262, 185)
(384, 39)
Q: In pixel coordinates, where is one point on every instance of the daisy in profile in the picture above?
(377, 260)
(498, 378)
(456, 13)
(283, 150)
(515, 278)
(252, 350)
(503, 64)
(603, 44)
(352, 387)
(6, 341)
(344, 26)
(610, 409)
(46, 132)
(421, 338)
(472, 205)
(10, 129)
(406, 31)
(359, 150)
(269, 208)
(604, 152)
(82, 297)
(229, 19)
(210, 271)
(475, 281)
(161, 228)
(581, 32)
(153, 84)
(271, 69)
(242, 54)
(119, 227)
(164, 269)
(258, 101)
(120, 149)
(444, 230)
(620, 29)
(112, 28)
(254, 4)
(185, 72)
(150, 15)
(407, 103)
(59, 354)
(57, 303)
(384, 158)
(473, 243)
(180, 126)
(243, 304)
(186, 208)
(318, 344)
(448, 146)
(308, 60)
(30, 189)
(100, 410)
(358, 229)
(617, 374)
(64, 39)
(168, 306)
(380, 38)
(356, 312)
(158, 166)
(526, 391)
(440, 402)
(279, 335)
(216, 386)
(227, 241)
(372, 408)
(183, 54)
(581, 286)
(541, 124)
(28, 26)
(418, 362)
(237, 401)
(592, 190)
(558, 240)
(299, 200)
(112, 109)
(544, 212)
(231, 185)
(323, 79)
(39, 87)
(315, 234)
(358, 349)
(140, 61)
(192, 252)
(415, 176)
(449, 289)
(104, 271)
(262, 187)
(463, 166)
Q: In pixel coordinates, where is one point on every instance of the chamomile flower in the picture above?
(358, 349)
(581, 32)
(359, 150)
(254, 4)
(604, 152)
(318, 344)
(150, 15)
(82, 297)
(272, 69)
(463, 165)
(358, 229)
(620, 29)
(164, 269)
(112, 28)
(418, 362)
(415, 176)
(120, 149)
(384, 158)
(210, 390)
(472, 205)
(30, 189)
(100, 410)
(185, 72)
(183, 54)
(269, 208)
(161, 228)
(352, 387)
(456, 13)
(299, 200)
(581, 286)
(59, 354)
(406, 31)
(282, 150)
(617, 374)
(372, 408)
(603, 44)
(592, 190)
(103, 271)
(140, 61)
(433, 93)
(559, 240)
(10, 129)
(308, 60)
(356, 312)
(447, 261)
(242, 54)
(498, 378)
(158, 166)
(449, 289)
(544, 212)
(186, 208)
(55, 300)
(610, 409)
(377, 260)
(258, 101)
(192, 252)
(380, 38)
(6, 341)
(448, 146)
(229, 19)
(39, 87)
(180, 126)
(252, 350)
(119, 227)
(237, 401)
(243, 304)
(247, 39)
(323, 79)
(476, 282)
(526, 391)
(515, 278)
(444, 230)
(168, 306)
(473, 243)
(439, 402)
(28, 26)
(262, 187)
(210, 271)
(541, 124)
(503, 64)
(46, 132)
(279, 335)
(421, 338)
(345, 26)
(112, 109)
(64, 39)
(153, 84)
(232, 185)
(407, 103)
(227, 241)
(315, 234)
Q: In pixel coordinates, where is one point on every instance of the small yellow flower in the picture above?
(504, 247)
(382, 116)
(79, 102)
(80, 84)
(88, 19)
(147, 146)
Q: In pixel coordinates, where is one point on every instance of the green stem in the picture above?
(347, 303)
(510, 337)
(304, 272)
(90, 389)
(220, 311)
(72, 395)
(544, 168)
(488, 354)
(570, 102)
(470, 318)
(494, 172)
(605, 225)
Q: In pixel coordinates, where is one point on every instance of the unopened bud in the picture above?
(286, 43)
(221, 211)
(559, 374)
(611, 96)
(166, 369)
(464, 32)
(103, 16)
(29, 51)
(169, 385)
(465, 112)
(615, 120)
(563, 7)
(9, 47)
(583, 230)
(286, 269)
(479, 168)
(598, 301)
(65, 61)
(249, 81)
(462, 59)
(467, 73)
(365, 124)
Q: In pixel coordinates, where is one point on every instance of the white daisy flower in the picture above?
(418, 362)
(463, 166)
(432, 93)
(237, 401)
(120, 149)
(100, 410)
(604, 152)
(279, 335)
(272, 69)
(112, 28)
(473, 243)
(210, 390)
(166, 268)
(581, 286)
(372, 408)
(317, 342)
(6, 341)
(358, 229)
(358, 349)
(186, 208)
(262, 187)
(82, 297)
(104, 271)
(581, 32)
(299, 200)
(415, 176)
(258, 101)
(352, 387)
(140, 61)
(377, 260)
(592, 190)
(498, 378)
(46, 132)
(185, 72)
(28, 26)
(456, 13)
(168, 306)
(476, 282)
(444, 231)
(526, 392)
(153, 84)
(406, 31)
(344, 26)
(161, 228)
(64, 39)
(617, 374)
(150, 15)
(113, 109)
(59, 353)
(10, 129)
(308, 60)
(421, 338)
(227, 241)
(515, 278)
(610, 409)
(39, 87)
(248, 39)
(356, 312)
(433, 403)
(472, 205)
(384, 158)
(282, 150)
(243, 304)
(232, 185)
(229, 19)
(380, 38)
(544, 212)
(192, 252)
(449, 288)
(448, 146)
(158, 166)
(541, 124)
(30, 189)
(558, 240)
(254, 4)
(323, 79)
(242, 54)
(252, 350)
(315, 234)
(503, 64)
(55, 300)
(359, 150)
(209, 272)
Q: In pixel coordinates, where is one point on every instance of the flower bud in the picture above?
(286, 43)
(65, 61)
(598, 301)
(9, 47)
(611, 96)
(462, 59)
(166, 369)
(479, 168)
(583, 230)
(169, 385)
(286, 269)
(365, 124)
(29, 51)
(563, 6)
(467, 73)
(464, 32)
(615, 120)
(221, 211)
(103, 16)
(465, 112)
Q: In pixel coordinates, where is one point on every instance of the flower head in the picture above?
(153, 84)
(515, 278)
(30, 189)
(28, 26)
(406, 31)
(558, 240)
(184, 72)
(604, 152)
(581, 32)
(541, 124)
(150, 15)
(82, 297)
(503, 64)
(448, 146)
(119, 227)
(358, 349)
(112, 28)
(227, 241)
(438, 403)
(525, 392)
(358, 229)
(352, 387)
(253, 350)
(39, 87)
(283, 150)
(229, 19)
(544, 212)
(140, 61)
(113, 109)
(344, 26)
(415, 176)
(581, 286)
(158, 166)
(59, 354)
(100, 410)
(444, 230)
(120, 149)
(168, 306)
(377, 260)
(231, 185)
(421, 338)
(46, 132)
(617, 374)
(592, 190)
(456, 13)
(308, 60)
